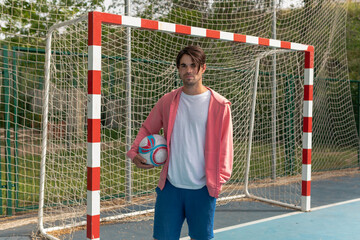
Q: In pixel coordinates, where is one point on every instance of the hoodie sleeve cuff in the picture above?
(131, 154)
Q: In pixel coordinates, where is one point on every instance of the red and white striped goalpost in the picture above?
(96, 19)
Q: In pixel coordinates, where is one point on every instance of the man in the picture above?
(198, 128)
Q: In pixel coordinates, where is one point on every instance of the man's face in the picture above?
(188, 71)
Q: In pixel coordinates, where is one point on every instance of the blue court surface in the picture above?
(335, 221)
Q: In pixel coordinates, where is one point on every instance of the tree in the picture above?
(353, 40)
(22, 19)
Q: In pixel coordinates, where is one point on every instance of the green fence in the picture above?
(18, 189)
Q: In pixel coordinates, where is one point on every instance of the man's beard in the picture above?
(189, 83)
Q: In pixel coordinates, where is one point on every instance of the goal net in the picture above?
(265, 85)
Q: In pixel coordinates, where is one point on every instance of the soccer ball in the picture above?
(153, 148)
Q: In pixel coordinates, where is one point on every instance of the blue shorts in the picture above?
(174, 204)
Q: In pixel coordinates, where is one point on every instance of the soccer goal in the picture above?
(105, 72)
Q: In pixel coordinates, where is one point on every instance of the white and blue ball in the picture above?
(153, 148)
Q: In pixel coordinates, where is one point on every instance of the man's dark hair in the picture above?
(195, 52)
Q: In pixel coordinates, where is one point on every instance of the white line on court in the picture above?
(278, 217)
(336, 204)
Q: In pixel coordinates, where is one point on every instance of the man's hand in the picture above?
(140, 162)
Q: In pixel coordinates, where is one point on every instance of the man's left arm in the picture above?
(226, 155)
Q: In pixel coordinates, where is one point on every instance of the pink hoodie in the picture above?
(218, 143)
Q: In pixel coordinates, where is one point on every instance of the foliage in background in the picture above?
(353, 40)
(353, 54)
(21, 19)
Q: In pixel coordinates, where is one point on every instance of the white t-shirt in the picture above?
(187, 160)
